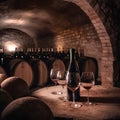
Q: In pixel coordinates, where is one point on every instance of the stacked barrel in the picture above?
(33, 65)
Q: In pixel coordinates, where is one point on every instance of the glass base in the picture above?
(64, 98)
(89, 104)
(75, 105)
(57, 92)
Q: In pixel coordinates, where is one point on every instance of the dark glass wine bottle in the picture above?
(27, 54)
(16, 54)
(73, 68)
(21, 53)
(39, 53)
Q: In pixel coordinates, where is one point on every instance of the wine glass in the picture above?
(87, 81)
(53, 77)
(73, 83)
(61, 75)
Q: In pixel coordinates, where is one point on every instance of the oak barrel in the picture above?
(40, 73)
(16, 87)
(58, 63)
(5, 99)
(22, 69)
(3, 74)
(2, 70)
(54, 63)
(27, 108)
(90, 65)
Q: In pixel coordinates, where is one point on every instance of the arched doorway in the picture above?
(107, 55)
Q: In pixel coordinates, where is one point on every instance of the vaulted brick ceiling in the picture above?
(40, 17)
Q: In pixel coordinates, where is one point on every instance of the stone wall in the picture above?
(108, 11)
(107, 53)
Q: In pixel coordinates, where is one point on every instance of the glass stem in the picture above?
(63, 90)
(56, 86)
(88, 100)
(73, 97)
(64, 98)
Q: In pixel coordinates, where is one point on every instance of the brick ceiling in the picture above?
(40, 16)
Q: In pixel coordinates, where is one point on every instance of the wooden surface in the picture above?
(106, 100)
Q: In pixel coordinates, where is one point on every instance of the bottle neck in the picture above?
(73, 66)
(72, 56)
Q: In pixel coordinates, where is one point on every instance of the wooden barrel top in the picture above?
(107, 103)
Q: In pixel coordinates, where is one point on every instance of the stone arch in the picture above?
(107, 54)
(16, 38)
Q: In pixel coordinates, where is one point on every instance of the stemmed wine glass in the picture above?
(61, 75)
(87, 81)
(73, 83)
(53, 77)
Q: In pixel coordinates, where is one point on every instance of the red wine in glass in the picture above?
(87, 86)
(53, 77)
(61, 76)
(73, 83)
(87, 81)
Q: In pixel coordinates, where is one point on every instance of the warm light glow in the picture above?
(15, 21)
(10, 46)
(60, 46)
(23, 18)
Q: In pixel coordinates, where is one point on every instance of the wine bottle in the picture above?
(16, 54)
(39, 53)
(27, 54)
(73, 68)
(21, 53)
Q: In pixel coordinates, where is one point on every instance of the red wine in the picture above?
(73, 89)
(87, 85)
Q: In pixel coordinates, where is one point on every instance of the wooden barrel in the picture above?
(22, 69)
(90, 65)
(58, 63)
(54, 63)
(3, 74)
(40, 73)
(36, 72)
(2, 70)
(5, 99)
(16, 87)
(43, 73)
(27, 108)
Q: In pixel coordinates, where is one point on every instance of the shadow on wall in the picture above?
(45, 38)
